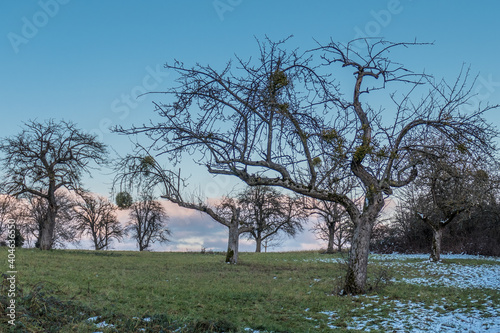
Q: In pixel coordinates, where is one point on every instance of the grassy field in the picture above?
(88, 291)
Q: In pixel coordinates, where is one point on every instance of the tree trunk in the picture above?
(96, 243)
(232, 243)
(258, 244)
(437, 234)
(47, 229)
(331, 238)
(358, 257)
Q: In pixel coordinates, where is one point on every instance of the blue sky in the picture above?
(85, 61)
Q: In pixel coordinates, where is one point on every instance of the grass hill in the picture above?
(96, 291)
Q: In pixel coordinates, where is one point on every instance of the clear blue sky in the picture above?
(83, 60)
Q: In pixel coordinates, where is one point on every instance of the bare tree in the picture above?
(448, 189)
(142, 170)
(227, 213)
(32, 214)
(333, 226)
(266, 212)
(97, 218)
(148, 221)
(44, 157)
(273, 121)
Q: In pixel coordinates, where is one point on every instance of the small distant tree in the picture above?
(267, 212)
(333, 225)
(147, 223)
(227, 212)
(43, 158)
(96, 217)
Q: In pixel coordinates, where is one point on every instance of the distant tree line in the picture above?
(478, 233)
(464, 217)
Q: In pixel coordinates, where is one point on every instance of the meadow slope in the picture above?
(89, 291)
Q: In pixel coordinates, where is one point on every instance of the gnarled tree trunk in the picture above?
(48, 227)
(360, 244)
(232, 243)
(358, 257)
(437, 234)
(331, 238)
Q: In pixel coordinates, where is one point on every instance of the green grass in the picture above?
(60, 289)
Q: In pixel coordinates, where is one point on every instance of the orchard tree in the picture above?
(333, 225)
(96, 217)
(148, 222)
(142, 169)
(266, 212)
(227, 212)
(447, 190)
(32, 214)
(274, 119)
(43, 158)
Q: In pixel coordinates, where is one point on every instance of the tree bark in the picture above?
(258, 244)
(48, 227)
(331, 238)
(358, 257)
(437, 234)
(232, 243)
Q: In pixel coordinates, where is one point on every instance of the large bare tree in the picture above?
(44, 157)
(97, 218)
(274, 119)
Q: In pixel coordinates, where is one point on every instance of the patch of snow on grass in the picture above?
(398, 316)
(450, 275)
(443, 274)
(460, 276)
(399, 256)
(104, 324)
(382, 314)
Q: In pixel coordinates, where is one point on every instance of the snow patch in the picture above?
(416, 317)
